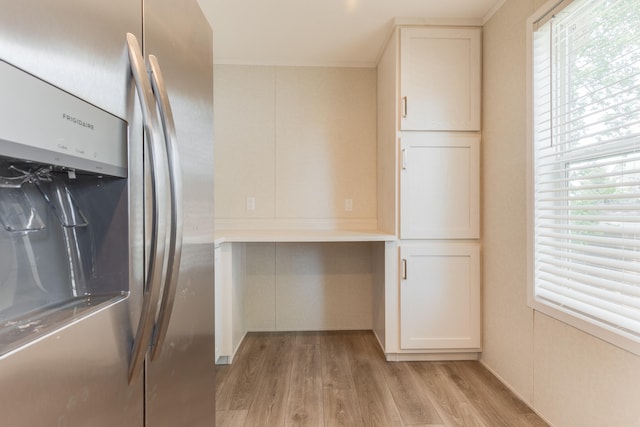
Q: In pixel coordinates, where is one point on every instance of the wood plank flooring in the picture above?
(342, 379)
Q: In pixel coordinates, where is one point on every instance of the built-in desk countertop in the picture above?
(301, 236)
(324, 280)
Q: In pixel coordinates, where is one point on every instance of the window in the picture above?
(584, 216)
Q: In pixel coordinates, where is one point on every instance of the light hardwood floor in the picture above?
(342, 379)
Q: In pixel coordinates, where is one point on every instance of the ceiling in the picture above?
(324, 32)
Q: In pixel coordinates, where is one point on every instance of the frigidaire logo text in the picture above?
(77, 121)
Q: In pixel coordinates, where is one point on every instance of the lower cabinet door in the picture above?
(440, 296)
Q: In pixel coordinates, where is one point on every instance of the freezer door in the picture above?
(180, 377)
(76, 45)
(75, 377)
(78, 375)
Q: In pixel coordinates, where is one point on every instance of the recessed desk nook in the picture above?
(299, 280)
(310, 151)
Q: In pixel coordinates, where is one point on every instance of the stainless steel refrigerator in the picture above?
(106, 214)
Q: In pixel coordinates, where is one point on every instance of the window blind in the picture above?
(586, 163)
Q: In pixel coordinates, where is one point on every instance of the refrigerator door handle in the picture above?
(175, 180)
(159, 200)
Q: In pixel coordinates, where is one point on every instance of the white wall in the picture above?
(300, 140)
(569, 377)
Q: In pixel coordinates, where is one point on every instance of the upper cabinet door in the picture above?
(440, 79)
(440, 186)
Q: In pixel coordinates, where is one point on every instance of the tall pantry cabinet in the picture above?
(428, 185)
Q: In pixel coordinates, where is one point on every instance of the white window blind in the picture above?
(586, 164)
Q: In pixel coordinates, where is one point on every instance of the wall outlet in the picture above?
(348, 205)
(251, 203)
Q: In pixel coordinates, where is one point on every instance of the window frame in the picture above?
(538, 18)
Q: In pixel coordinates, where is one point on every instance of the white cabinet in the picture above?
(229, 288)
(440, 296)
(429, 101)
(440, 78)
(439, 186)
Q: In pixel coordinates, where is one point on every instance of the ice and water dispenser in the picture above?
(63, 207)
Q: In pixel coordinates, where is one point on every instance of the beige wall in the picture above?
(308, 286)
(569, 377)
(300, 140)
